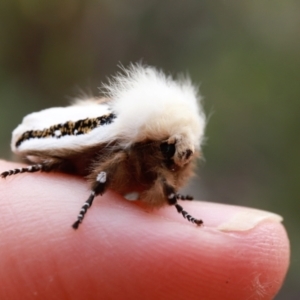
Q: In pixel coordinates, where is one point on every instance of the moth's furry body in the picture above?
(144, 137)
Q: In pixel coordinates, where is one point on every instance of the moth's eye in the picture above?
(168, 150)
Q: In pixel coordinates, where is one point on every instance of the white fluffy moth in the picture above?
(144, 136)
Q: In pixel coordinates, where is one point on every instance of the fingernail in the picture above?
(247, 219)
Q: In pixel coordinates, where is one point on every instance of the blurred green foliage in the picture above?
(245, 54)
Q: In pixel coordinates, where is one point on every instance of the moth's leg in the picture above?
(100, 177)
(187, 215)
(98, 188)
(38, 163)
(184, 197)
(172, 200)
(29, 169)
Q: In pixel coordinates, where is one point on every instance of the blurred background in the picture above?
(243, 54)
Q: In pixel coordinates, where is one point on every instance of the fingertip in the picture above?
(121, 244)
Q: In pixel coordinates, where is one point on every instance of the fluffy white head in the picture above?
(153, 106)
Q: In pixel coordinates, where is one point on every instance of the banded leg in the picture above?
(187, 216)
(172, 199)
(29, 169)
(184, 197)
(97, 188)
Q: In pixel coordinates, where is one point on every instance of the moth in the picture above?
(142, 135)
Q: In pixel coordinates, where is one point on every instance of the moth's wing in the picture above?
(62, 129)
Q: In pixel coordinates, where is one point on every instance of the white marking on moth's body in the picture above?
(101, 177)
(57, 133)
(132, 196)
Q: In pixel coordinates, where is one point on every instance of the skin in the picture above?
(124, 251)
